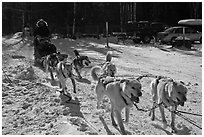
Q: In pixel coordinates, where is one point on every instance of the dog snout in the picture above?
(184, 98)
(86, 63)
(182, 103)
(112, 74)
(139, 93)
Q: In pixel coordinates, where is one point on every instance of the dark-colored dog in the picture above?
(80, 62)
(49, 62)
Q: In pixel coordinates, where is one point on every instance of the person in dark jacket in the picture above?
(42, 43)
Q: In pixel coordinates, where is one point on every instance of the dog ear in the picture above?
(182, 82)
(139, 78)
(122, 86)
(175, 83)
(122, 80)
(123, 83)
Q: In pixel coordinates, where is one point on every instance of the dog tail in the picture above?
(108, 56)
(76, 53)
(94, 71)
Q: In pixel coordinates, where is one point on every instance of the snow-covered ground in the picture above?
(31, 103)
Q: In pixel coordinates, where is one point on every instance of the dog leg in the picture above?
(153, 86)
(152, 112)
(74, 85)
(51, 74)
(173, 119)
(63, 84)
(78, 73)
(127, 112)
(120, 122)
(163, 117)
(112, 115)
(99, 94)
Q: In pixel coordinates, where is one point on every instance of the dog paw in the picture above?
(150, 113)
(79, 77)
(125, 121)
(114, 124)
(173, 131)
(152, 119)
(164, 125)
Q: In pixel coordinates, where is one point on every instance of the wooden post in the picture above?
(74, 20)
(135, 12)
(184, 37)
(121, 17)
(23, 25)
(107, 35)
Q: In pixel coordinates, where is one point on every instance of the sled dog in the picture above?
(122, 94)
(49, 62)
(79, 62)
(107, 69)
(171, 94)
(64, 71)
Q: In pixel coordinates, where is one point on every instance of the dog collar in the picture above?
(124, 100)
(122, 95)
(106, 81)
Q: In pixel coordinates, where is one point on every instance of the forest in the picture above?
(89, 17)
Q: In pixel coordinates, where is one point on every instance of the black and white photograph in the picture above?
(101, 68)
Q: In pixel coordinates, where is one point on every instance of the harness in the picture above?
(105, 82)
(62, 71)
(69, 75)
(78, 60)
(124, 100)
(51, 62)
(165, 91)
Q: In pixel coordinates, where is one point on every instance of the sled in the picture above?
(44, 47)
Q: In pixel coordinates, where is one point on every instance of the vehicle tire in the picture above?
(200, 40)
(172, 42)
(146, 39)
(136, 41)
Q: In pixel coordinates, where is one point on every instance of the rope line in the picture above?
(146, 110)
(91, 126)
(185, 118)
(177, 112)
(189, 113)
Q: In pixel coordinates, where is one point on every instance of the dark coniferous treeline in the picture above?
(91, 16)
